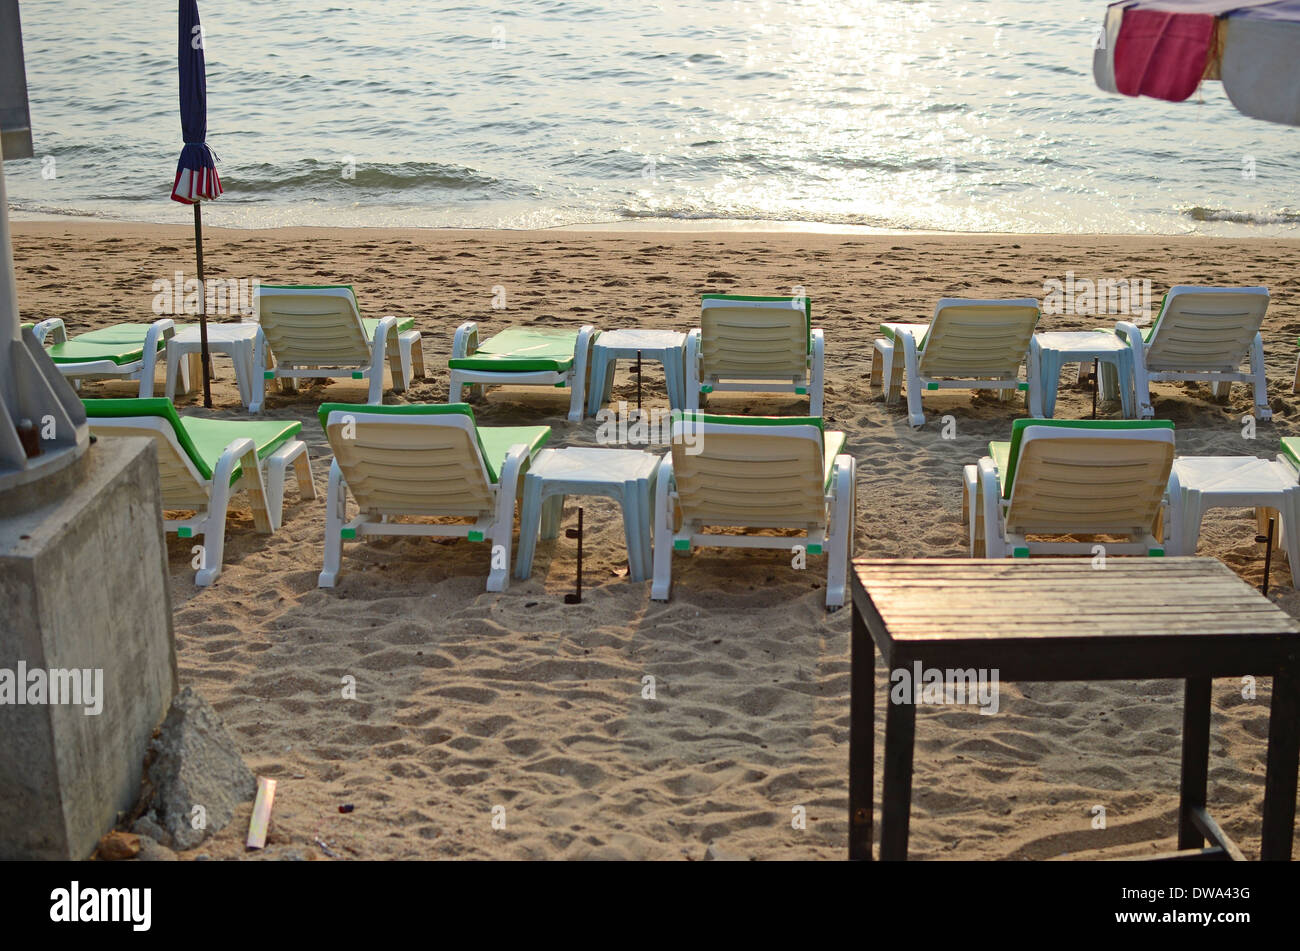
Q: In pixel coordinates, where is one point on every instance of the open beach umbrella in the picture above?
(1164, 48)
(196, 172)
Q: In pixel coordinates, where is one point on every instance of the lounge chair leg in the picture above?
(1295, 384)
(838, 545)
(692, 365)
(990, 492)
(1262, 410)
(878, 362)
(661, 586)
(915, 385)
(302, 471)
(504, 524)
(416, 359)
(335, 515)
(214, 535)
(275, 490)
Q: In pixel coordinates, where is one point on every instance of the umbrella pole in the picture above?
(203, 317)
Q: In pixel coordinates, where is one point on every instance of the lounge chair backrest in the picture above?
(1084, 479)
(760, 472)
(310, 326)
(426, 460)
(755, 337)
(978, 338)
(1206, 328)
(183, 476)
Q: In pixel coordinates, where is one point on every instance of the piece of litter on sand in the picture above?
(326, 849)
(346, 807)
(261, 818)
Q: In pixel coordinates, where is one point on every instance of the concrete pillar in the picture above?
(84, 584)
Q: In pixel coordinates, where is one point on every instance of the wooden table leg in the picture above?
(1280, 773)
(1196, 759)
(896, 797)
(862, 738)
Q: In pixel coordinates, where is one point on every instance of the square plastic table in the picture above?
(238, 341)
(1048, 352)
(1056, 619)
(627, 475)
(1267, 485)
(665, 346)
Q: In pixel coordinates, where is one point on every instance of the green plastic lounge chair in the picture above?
(524, 356)
(758, 472)
(755, 344)
(203, 462)
(1070, 477)
(315, 331)
(1201, 333)
(422, 460)
(122, 351)
(969, 345)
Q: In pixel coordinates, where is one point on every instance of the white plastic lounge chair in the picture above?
(420, 460)
(1201, 333)
(756, 472)
(203, 462)
(524, 356)
(122, 351)
(755, 345)
(315, 331)
(1070, 477)
(969, 345)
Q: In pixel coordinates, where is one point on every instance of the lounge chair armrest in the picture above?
(693, 338)
(665, 484)
(164, 328)
(465, 342)
(512, 471)
(387, 325)
(51, 325)
(243, 452)
(232, 456)
(818, 352)
(693, 374)
(1131, 333)
(587, 335)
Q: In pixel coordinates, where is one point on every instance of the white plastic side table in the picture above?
(1201, 483)
(238, 341)
(627, 475)
(1048, 352)
(664, 346)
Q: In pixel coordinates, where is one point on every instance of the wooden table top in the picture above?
(1064, 619)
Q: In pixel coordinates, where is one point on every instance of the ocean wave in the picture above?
(269, 178)
(1283, 217)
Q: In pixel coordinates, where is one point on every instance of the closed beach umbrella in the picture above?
(1165, 48)
(196, 172)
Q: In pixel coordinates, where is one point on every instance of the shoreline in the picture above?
(721, 228)
(643, 226)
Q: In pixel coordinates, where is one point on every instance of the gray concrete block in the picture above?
(84, 585)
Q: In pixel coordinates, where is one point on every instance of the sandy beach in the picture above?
(467, 701)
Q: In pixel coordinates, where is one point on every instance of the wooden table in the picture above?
(1063, 619)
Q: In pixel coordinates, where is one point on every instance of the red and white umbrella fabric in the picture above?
(1165, 49)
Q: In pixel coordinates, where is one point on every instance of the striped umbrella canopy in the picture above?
(196, 172)
(1165, 48)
